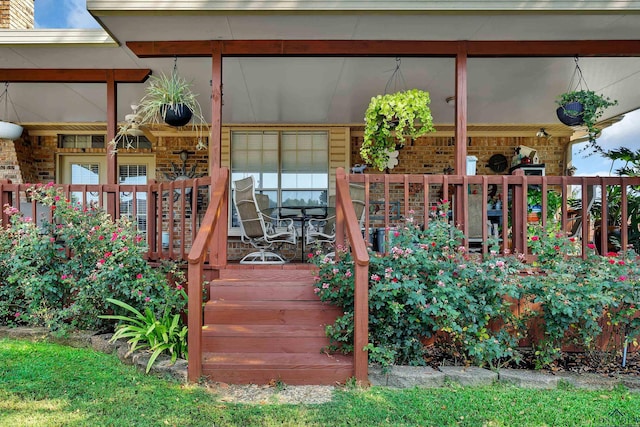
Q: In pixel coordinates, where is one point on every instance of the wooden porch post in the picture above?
(461, 130)
(112, 123)
(217, 245)
(215, 139)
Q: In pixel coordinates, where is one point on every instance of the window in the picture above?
(81, 141)
(134, 174)
(91, 169)
(291, 167)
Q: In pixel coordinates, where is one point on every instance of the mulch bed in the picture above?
(598, 362)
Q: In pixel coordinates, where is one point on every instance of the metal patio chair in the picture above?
(324, 230)
(263, 232)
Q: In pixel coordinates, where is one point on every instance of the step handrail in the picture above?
(214, 221)
(346, 220)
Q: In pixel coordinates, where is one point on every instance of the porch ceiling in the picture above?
(335, 90)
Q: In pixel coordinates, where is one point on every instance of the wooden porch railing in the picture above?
(168, 214)
(399, 196)
(346, 220)
(215, 221)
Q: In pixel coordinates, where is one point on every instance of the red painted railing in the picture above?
(346, 220)
(215, 221)
(167, 213)
(396, 197)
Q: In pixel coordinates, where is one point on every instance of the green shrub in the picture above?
(577, 295)
(425, 283)
(61, 273)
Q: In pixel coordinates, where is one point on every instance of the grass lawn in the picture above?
(44, 384)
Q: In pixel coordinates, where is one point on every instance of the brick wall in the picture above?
(431, 155)
(17, 14)
(9, 165)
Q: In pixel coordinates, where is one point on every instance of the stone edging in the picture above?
(397, 376)
(421, 376)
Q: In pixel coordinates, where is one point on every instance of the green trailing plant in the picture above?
(165, 93)
(390, 119)
(146, 331)
(593, 105)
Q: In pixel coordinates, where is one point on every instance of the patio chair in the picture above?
(476, 202)
(324, 230)
(263, 232)
(576, 220)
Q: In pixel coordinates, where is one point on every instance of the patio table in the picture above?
(303, 214)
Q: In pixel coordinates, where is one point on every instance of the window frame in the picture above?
(235, 231)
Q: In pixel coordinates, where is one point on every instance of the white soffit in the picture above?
(373, 27)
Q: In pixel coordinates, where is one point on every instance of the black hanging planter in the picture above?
(179, 115)
(574, 118)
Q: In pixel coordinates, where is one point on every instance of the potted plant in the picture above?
(583, 107)
(534, 203)
(390, 119)
(169, 98)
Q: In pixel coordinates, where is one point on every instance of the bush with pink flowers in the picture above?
(59, 274)
(426, 284)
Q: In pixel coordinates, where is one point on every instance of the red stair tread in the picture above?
(276, 360)
(271, 331)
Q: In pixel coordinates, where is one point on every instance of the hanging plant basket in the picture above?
(176, 115)
(571, 114)
(10, 131)
(392, 118)
(580, 106)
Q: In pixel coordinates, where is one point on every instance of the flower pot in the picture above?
(571, 114)
(10, 131)
(532, 217)
(179, 115)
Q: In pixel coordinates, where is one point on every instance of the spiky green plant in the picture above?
(166, 334)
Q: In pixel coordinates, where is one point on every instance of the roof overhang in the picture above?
(333, 89)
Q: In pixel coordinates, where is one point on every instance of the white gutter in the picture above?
(56, 37)
(116, 7)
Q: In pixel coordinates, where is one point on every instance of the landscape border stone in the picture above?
(528, 379)
(469, 376)
(406, 376)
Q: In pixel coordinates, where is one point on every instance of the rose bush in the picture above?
(426, 284)
(579, 296)
(59, 274)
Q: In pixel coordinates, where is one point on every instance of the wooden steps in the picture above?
(264, 324)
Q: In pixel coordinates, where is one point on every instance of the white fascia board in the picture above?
(59, 37)
(116, 7)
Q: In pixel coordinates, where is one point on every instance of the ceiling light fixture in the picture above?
(542, 133)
